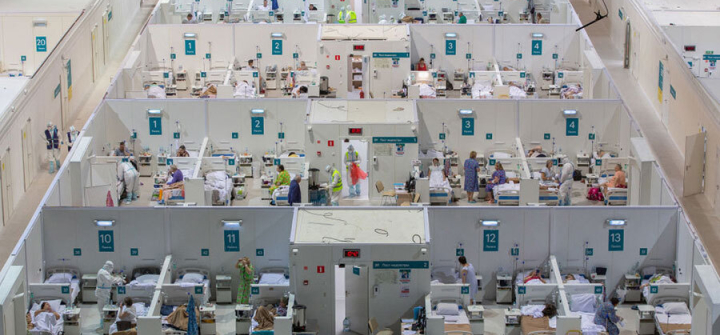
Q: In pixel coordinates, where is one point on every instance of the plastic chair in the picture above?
(373, 325)
(386, 195)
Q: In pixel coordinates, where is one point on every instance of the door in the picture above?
(28, 157)
(6, 182)
(694, 178)
(94, 50)
(357, 298)
(628, 39)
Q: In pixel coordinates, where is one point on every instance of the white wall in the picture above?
(253, 38)
(39, 105)
(164, 40)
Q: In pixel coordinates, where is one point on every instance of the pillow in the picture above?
(676, 308)
(650, 270)
(446, 308)
(192, 277)
(583, 303)
(510, 174)
(60, 278)
(147, 278)
(54, 304)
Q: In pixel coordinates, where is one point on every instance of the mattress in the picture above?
(670, 322)
(74, 288)
(530, 324)
(274, 279)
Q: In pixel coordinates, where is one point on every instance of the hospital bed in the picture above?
(189, 281)
(568, 84)
(446, 309)
(482, 83)
(422, 84)
(534, 290)
(187, 167)
(440, 189)
(583, 301)
(282, 324)
(60, 283)
(614, 196)
(48, 325)
(672, 316)
(142, 284)
(218, 187)
(647, 283)
(141, 305)
(295, 164)
(223, 157)
(308, 78)
(271, 284)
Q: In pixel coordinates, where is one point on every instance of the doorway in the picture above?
(28, 158)
(352, 298)
(6, 184)
(628, 38)
(361, 148)
(694, 178)
(357, 76)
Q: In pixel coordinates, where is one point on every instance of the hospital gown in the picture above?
(500, 175)
(426, 91)
(471, 178)
(283, 179)
(156, 92)
(243, 90)
(437, 178)
(605, 316)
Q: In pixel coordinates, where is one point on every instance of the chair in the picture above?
(373, 324)
(386, 195)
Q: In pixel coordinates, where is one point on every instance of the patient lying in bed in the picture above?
(438, 179)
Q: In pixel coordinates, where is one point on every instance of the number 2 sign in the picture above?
(277, 47)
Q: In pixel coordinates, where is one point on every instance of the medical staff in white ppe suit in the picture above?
(566, 180)
(105, 282)
(127, 173)
(335, 185)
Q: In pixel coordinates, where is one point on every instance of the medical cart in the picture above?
(503, 289)
(477, 318)
(89, 284)
(245, 164)
(207, 319)
(633, 293)
(646, 319)
(181, 81)
(110, 313)
(71, 321)
(145, 164)
(223, 289)
(243, 319)
(271, 78)
(512, 321)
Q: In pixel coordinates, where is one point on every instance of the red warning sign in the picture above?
(320, 269)
(331, 143)
(337, 57)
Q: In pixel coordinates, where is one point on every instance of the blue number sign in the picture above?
(277, 47)
(258, 125)
(450, 47)
(490, 240)
(468, 126)
(155, 125)
(232, 240)
(106, 241)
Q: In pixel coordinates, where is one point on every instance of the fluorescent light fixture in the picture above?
(616, 222)
(154, 112)
(465, 111)
(450, 35)
(538, 35)
(569, 112)
(257, 111)
(229, 224)
(276, 35)
(490, 223)
(40, 22)
(190, 35)
(104, 223)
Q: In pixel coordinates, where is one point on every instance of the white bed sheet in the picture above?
(273, 279)
(460, 319)
(674, 319)
(44, 322)
(74, 288)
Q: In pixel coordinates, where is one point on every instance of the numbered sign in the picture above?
(442, 136)
(65, 290)
(190, 47)
(235, 135)
(572, 124)
(155, 125)
(537, 47)
(555, 56)
(208, 56)
(518, 56)
(488, 136)
(459, 252)
(468, 56)
(121, 290)
(589, 251)
(176, 135)
(616, 240)
(231, 161)
(232, 240)
(77, 252)
(173, 56)
(296, 55)
(591, 136)
(106, 241)
(281, 135)
(41, 43)
(259, 252)
(643, 251)
(515, 252)
(204, 252)
(465, 290)
(546, 136)
(491, 238)
(468, 126)
(277, 47)
(134, 252)
(521, 290)
(450, 47)
(255, 291)
(258, 125)
(598, 289)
